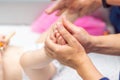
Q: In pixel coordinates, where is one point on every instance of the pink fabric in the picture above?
(93, 25)
(43, 22)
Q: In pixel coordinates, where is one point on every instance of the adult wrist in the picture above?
(81, 61)
(88, 71)
(94, 42)
(91, 44)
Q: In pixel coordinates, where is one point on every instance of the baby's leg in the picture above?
(36, 65)
(70, 17)
(37, 61)
(45, 73)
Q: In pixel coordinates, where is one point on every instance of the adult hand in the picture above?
(82, 7)
(79, 33)
(72, 54)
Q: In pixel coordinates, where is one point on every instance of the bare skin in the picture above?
(12, 69)
(82, 7)
(27, 62)
(72, 54)
(2, 37)
(11, 58)
(98, 44)
(91, 43)
(70, 17)
(36, 65)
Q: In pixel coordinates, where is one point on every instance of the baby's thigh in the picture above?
(1, 71)
(12, 68)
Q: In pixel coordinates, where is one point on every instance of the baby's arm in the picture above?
(4, 41)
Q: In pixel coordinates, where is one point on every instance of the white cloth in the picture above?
(25, 77)
(65, 73)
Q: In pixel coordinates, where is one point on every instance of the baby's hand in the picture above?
(4, 41)
(56, 37)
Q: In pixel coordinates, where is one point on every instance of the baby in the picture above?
(19, 64)
(16, 63)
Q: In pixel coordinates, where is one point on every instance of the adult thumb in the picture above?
(69, 26)
(67, 36)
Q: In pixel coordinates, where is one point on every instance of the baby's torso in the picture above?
(11, 63)
(1, 72)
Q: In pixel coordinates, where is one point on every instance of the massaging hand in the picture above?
(71, 54)
(80, 34)
(82, 7)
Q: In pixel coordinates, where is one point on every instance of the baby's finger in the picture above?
(52, 37)
(57, 34)
(8, 37)
(61, 41)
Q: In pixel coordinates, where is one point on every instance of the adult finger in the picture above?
(74, 7)
(50, 53)
(83, 12)
(53, 32)
(52, 37)
(67, 36)
(51, 45)
(57, 34)
(54, 7)
(61, 11)
(68, 25)
(60, 40)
